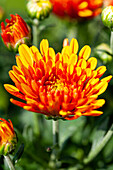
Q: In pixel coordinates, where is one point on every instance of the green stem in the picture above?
(35, 32)
(94, 153)
(36, 124)
(111, 42)
(54, 155)
(35, 42)
(9, 162)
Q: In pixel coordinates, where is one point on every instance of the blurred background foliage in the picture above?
(76, 137)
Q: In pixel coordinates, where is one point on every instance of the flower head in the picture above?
(8, 139)
(39, 9)
(63, 85)
(16, 32)
(77, 8)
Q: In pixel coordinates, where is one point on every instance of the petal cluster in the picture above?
(16, 32)
(64, 85)
(77, 8)
(8, 139)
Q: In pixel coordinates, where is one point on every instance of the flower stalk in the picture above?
(9, 162)
(111, 41)
(35, 32)
(54, 155)
(35, 42)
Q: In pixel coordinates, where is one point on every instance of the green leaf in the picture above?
(93, 153)
(19, 153)
(98, 135)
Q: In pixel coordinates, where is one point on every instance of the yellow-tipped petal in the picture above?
(107, 79)
(85, 52)
(73, 59)
(93, 113)
(85, 13)
(10, 88)
(101, 70)
(66, 51)
(103, 88)
(44, 45)
(83, 5)
(25, 55)
(73, 46)
(82, 63)
(92, 63)
(99, 102)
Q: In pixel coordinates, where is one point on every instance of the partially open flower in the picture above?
(8, 138)
(61, 86)
(16, 32)
(39, 9)
(77, 9)
(107, 17)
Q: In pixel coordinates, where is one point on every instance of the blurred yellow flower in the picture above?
(65, 85)
(77, 8)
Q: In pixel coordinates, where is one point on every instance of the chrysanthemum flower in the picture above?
(77, 8)
(8, 139)
(16, 32)
(63, 85)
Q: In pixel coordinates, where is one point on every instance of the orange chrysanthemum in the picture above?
(8, 139)
(16, 32)
(77, 8)
(63, 85)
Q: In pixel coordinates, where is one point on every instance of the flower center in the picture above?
(59, 85)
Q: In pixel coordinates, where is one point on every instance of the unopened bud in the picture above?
(107, 17)
(39, 9)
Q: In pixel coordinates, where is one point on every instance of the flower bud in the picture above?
(8, 138)
(16, 32)
(107, 17)
(39, 9)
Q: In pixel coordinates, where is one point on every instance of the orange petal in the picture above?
(93, 113)
(28, 91)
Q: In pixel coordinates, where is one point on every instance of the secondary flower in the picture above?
(8, 139)
(39, 9)
(61, 86)
(16, 32)
(77, 8)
